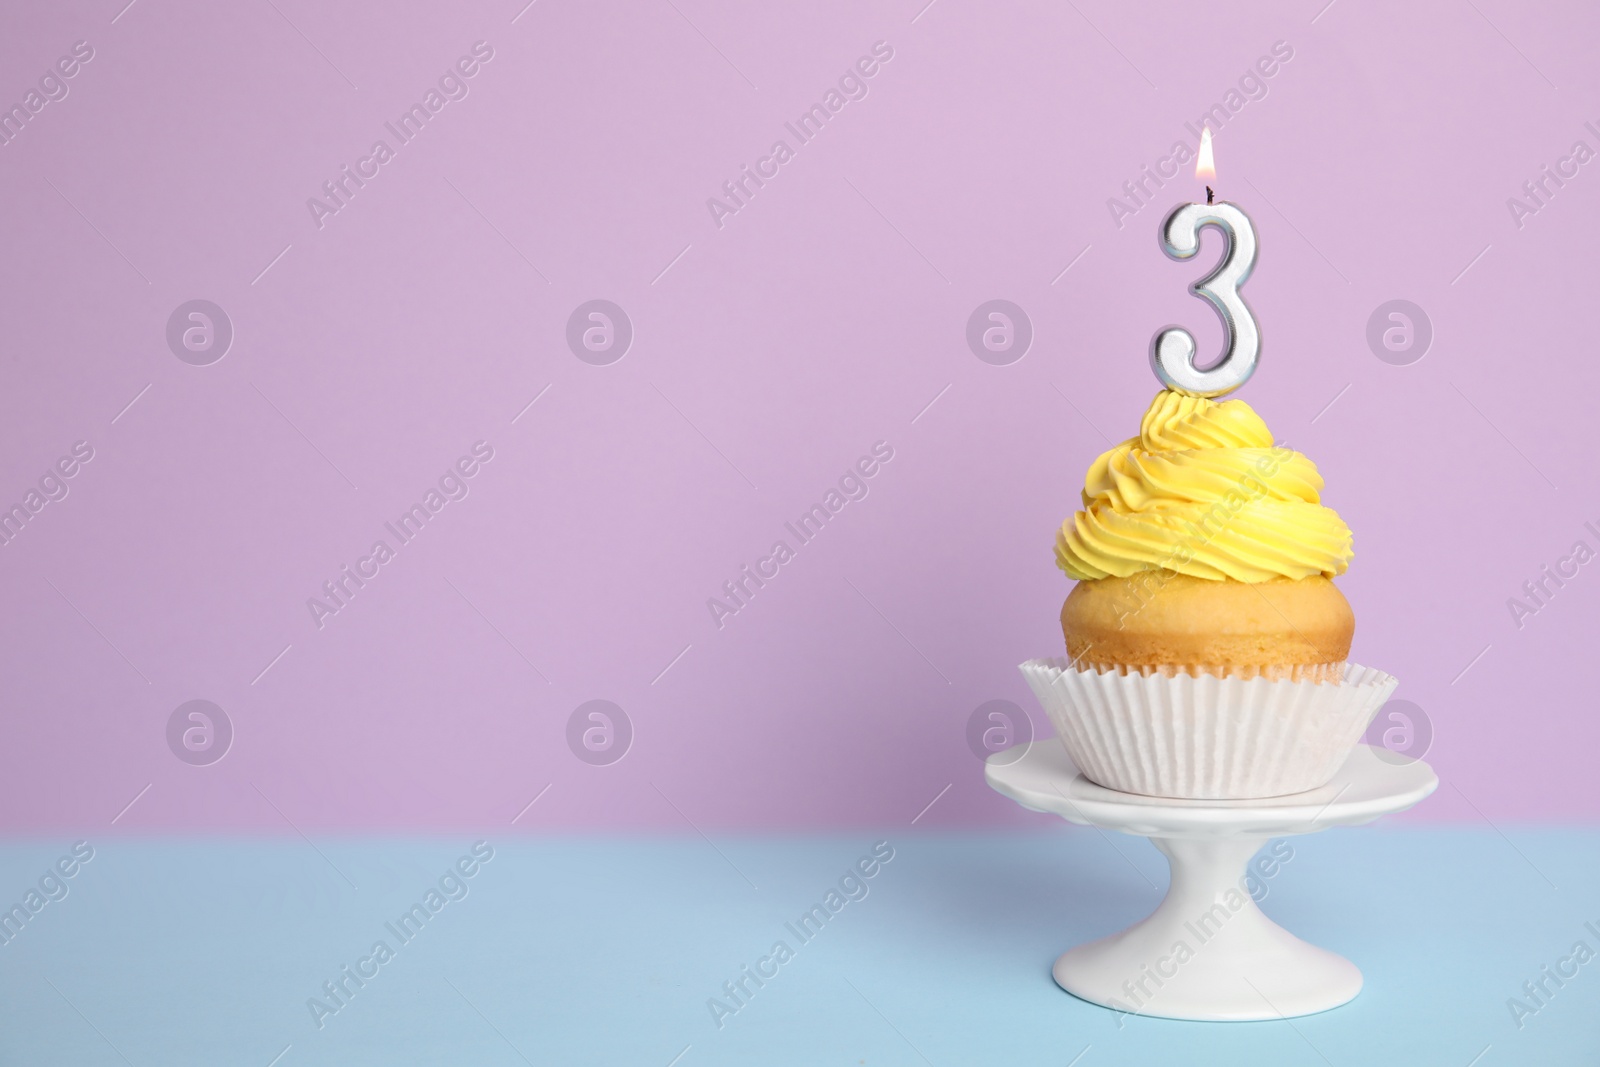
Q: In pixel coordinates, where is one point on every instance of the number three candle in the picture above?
(1172, 352)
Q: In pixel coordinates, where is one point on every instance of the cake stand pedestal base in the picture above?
(1207, 952)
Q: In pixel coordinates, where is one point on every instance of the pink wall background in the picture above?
(768, 355)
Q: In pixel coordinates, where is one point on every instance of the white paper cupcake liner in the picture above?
(1205, 737)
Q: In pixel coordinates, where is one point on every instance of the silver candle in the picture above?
(1172, 351)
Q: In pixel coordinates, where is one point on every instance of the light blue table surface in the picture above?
(607, 950)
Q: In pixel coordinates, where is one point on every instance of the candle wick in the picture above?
(1210, 196)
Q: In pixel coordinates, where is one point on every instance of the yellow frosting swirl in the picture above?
(1203, 491)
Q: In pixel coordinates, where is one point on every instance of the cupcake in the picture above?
(1206, 642)
(1203, 546)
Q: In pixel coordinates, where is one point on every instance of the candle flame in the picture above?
(1205, 167)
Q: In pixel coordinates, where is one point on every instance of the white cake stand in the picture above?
(1234, 963)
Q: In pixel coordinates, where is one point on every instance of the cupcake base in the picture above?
(1152, 620)
(1204, 737)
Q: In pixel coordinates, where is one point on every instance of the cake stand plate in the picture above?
(1207, 952)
